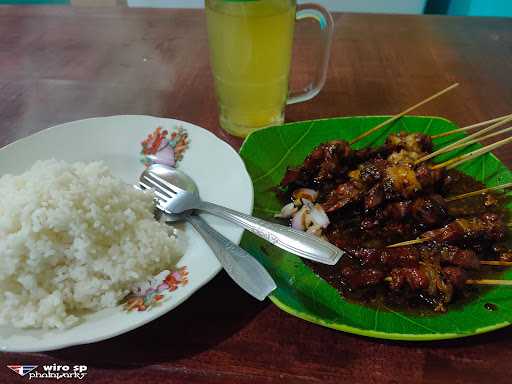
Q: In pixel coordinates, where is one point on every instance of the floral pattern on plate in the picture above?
(151, 292)
(164, 147)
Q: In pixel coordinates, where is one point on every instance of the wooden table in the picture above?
(63, 64)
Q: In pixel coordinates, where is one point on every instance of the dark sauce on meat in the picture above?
(346, 225)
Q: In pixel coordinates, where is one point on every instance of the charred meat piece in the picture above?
(374, 197)
(331, 164)
(487, 227)
(465, 258)
(413, 277)
(490, 200)
(503, 253)
(404, 157)
(388, 257)
(398, 210)
(400, 181)
(455, 276)
(344, 194)
(365, 154)
(399, 230)
(429, 210)
(428, 177)
(369, 223)
(403, 180)
(362, 278)
(323, 163)
(379, 181)
(430, 283)
(413, 142)
(411, 255)
(373, 170)
(437, 287)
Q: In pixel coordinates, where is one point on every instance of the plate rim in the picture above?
(176, 302)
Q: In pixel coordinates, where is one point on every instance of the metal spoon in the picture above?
(182, 198)
(244, 269)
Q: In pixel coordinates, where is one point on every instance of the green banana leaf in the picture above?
(267, 154)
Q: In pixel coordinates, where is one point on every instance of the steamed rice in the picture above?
(74, 239)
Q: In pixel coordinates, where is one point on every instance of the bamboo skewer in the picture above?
(479, 192)
(473, 282)
(488, 282)
(496, 263)
(408, 242)
(469, 127)
(396, 117)
(464, 140)
(471, 155)
(482, 138)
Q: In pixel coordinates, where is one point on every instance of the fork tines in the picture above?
(161, 184)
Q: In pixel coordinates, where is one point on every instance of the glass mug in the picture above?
(250, 54)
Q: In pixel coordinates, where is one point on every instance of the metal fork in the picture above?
(250, 275)
(181, 200)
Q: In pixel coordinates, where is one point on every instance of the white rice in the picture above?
(74, 239)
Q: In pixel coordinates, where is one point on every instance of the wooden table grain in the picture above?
(63, 64)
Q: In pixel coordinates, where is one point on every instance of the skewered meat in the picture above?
(395, 181)
(344, 194)
(436, 287)
(413, 142)
(413, 277)
(429, 210)
(404, 157)
(427, 176)
(385, 257)
(398, 210)
(372, 171)
(503, 253)
(456, 276)
(487, 227)
(328, 160)
(400, 180)
(465, 258)
(411, 255)
(490, 200)
(359, 278)
(374, 197)
(322, 164)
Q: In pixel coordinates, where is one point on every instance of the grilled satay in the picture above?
(411, 142)
(411, 256)
(434, 283)
(330, 160)
(487, 227)
(427, 211)
(323, 163)
(431, 272)
(377, 180)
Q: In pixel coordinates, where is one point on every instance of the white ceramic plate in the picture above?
(217, 169)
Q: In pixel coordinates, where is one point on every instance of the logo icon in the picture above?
(22, 370)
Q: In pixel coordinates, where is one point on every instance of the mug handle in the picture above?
(326, 23)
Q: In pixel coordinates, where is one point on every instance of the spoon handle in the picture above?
(239, 264)
(299, 243)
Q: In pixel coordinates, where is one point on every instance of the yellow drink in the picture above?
(250, 53)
